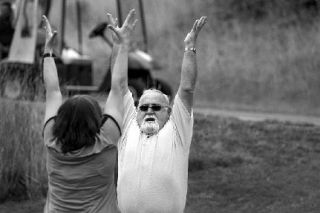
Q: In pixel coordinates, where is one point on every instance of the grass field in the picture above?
(254, 167)
(243, 166)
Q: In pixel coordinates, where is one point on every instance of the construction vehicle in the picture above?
(20, 72)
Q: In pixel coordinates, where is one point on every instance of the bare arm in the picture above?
(116, 49)
(189, 65)
(119, 65)
(50, 75)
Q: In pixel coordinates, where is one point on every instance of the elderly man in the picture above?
(154, 147)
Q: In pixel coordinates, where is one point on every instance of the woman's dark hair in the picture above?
(77, 123)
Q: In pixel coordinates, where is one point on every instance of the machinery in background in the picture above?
(20, 69)
(140, 68)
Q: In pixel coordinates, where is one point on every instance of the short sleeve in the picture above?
(129, 109)
(110, 130)
(47, 131)
(183, 121)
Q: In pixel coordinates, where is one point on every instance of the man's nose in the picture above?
(150, 111)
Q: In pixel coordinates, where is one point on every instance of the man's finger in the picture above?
(109, 18)
(203, 20)
(54, 34)
(47, 24)
(44, 18)
(52, 38)
(112, 28)
(134, 24)
(200, 23)
(194, 27)
(115, 22)
(130, 16)
(44, 22)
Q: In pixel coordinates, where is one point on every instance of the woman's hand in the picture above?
(50, 36)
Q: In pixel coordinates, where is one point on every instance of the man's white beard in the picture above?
(149, 127)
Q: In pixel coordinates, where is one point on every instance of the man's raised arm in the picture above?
(189, 65)
(119, 64)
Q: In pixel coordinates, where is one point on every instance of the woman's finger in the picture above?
(47, 26)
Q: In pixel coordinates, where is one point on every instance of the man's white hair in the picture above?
(157, 91)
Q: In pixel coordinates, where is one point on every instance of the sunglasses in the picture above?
(153, 107)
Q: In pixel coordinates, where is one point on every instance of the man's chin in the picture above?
(149, 128)
(149, 133)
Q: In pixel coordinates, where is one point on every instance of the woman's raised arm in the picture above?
(50, 74)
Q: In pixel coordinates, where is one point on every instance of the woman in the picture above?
(80, 138)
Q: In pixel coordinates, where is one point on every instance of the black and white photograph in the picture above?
(159, 106)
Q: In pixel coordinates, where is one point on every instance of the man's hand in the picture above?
(50, 36)
(191, 38)
(113, 22)
(189, 65)
(123, 34)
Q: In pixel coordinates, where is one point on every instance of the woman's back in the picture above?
(81, 180)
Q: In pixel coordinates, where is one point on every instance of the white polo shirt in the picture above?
(153, 171)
